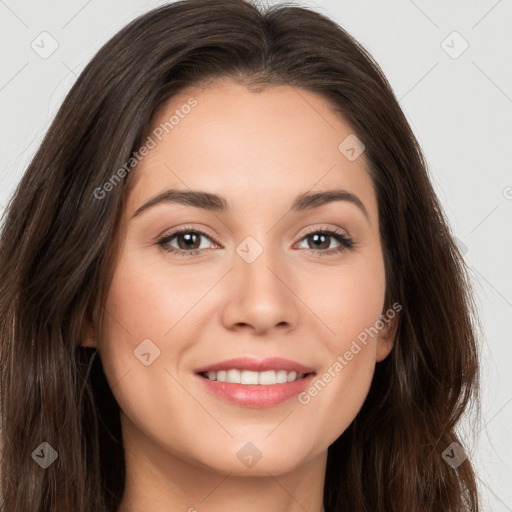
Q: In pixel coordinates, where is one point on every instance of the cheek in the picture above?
(141, 307)
(360, 302)
(348, 299)
(145, 301)
(339, 393)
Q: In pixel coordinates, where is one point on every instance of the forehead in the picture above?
(255, 148)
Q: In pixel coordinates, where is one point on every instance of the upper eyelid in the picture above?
(344, 239)
(203, 232)
(315, 229)
(185, 229)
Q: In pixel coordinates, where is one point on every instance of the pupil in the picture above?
(317, 237)
(189, 240)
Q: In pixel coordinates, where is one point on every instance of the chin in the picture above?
(253, 463)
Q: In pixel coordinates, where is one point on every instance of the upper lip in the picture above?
(257, 365)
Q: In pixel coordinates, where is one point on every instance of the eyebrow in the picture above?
(215, 203)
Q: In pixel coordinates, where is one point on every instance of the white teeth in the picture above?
(248, 377)
(233, 376)
(292, 376)
(266, 378)
(282, 376)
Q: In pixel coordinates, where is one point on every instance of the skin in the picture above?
(259, 150)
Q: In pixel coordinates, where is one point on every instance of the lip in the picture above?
(255, 395)
(257, 365)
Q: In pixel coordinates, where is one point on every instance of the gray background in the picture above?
(459, 106)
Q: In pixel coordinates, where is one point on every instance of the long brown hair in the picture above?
(56, 259)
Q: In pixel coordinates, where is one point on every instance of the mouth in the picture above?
(256, 383)
(248, 377)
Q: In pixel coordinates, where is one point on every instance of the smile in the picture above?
(247, 377)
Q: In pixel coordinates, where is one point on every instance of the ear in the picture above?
(88, 338)
(386, 337)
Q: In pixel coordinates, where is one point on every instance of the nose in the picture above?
(259, 295)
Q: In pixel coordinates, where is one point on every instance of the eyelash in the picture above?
(345, 241)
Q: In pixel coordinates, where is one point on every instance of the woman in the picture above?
(227, 283)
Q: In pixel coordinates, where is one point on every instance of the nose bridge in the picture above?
(258, 293)
(256, 265)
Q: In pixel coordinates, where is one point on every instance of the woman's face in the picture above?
(254, 275)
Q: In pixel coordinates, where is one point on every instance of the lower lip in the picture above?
(256, 395)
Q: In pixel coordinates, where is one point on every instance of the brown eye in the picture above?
(188, 242)
(320, 241)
